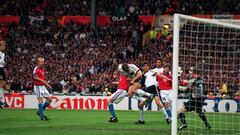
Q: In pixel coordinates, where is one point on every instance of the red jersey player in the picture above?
(40, 89)
(165, 87)
(118, 96)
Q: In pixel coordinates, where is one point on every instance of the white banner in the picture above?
(100, 103)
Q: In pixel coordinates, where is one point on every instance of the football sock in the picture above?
(168, 110)
(203, 117)
(143, 93)
(111, 109)
(45, 105)
(141, 114)
(182, 118)
(164, 112)
(135, 96)
(40, 109)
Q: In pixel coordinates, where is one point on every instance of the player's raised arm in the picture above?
(35, 77)
(163, 76)
(187, 84)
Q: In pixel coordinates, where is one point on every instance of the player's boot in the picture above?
(38, 113)
(1, 104)
(182, 126)
(140, 122)
(168, 120)
(113, 119)
(208, 126)
(44, 118)
(5, 104)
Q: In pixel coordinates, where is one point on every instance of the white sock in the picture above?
(141, 114)
(164, 112)
(2, 95)
(135, 96)
(143, 93)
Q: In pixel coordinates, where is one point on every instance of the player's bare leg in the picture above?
(133, 88)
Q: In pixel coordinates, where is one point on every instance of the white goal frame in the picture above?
(176, 30)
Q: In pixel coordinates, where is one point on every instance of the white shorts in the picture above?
(118, 96)
(1, 94)
(41, 91)
(166, 95)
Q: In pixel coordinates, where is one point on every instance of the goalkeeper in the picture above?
(196, 100)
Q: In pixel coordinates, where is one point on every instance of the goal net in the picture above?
(213, 48)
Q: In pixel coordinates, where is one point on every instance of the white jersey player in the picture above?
(150, 84)
(2, 74)
(133, 72)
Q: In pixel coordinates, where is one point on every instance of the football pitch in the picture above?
(91, 122)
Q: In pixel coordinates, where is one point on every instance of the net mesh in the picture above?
(215, 51)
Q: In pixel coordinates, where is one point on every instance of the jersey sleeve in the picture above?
(190, 82)
(153, 73)
(35, 71)
(135, 68)
(120, 68)
(155, 70)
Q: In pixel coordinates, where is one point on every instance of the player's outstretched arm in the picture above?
(41, 80)
(188, 84)
(182, 88)
(163, 76)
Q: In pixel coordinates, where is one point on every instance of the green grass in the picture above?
(79, 122)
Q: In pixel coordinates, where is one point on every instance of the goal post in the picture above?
(215, 46)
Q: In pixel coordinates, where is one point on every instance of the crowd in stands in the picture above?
(72, 50)
(118, 7)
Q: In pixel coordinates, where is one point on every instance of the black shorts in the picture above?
(153, 90)
(141, 80)
(2, 74)
(194, 104)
